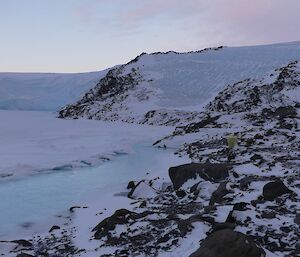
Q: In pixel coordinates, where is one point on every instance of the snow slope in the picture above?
(145, 89)
(44, 91)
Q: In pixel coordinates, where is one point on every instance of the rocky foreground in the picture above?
(240, 202)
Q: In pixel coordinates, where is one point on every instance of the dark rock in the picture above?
(242, 206)
(224, 225)
(245, 182)
(235, 175)
(268, 215)
(286, 229)
(120, 217)
(207, 171)
(131, 185)
(274, 189)
(256, 202)
(230, 218)
(164, 239)
(270, 132)
(24, 255)
(180, 193)
(72, 209)
(286, 111)
(228, 243)
(256, 157)
(55, 227)
(194, 187)
(297, 219)
(209, 208)
(22, 242)
(217, 196)
(195, 127)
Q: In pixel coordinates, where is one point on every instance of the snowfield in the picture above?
(37, 141)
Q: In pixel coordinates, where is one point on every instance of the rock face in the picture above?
(274, 189)
(228, 243)
(207, 171)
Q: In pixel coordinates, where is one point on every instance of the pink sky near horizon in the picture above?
(76, 35)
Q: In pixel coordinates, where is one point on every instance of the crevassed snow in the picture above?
(191, 79)
(44, 91)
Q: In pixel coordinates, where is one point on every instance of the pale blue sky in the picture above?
(88, 35)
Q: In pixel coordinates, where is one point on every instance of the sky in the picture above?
(90, 35)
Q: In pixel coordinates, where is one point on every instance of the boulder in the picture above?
(208, 171)
(217, 196)
(228, 243)
(274, 189)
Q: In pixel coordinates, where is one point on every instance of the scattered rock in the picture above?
(72, 209)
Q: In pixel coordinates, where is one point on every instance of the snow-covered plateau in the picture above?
(140, 165)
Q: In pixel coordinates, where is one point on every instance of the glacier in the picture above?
(44, 91)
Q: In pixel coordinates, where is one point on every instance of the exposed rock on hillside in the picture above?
(264, 115)
(168, 88)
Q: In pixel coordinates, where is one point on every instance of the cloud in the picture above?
(172, 9)
(211, 21)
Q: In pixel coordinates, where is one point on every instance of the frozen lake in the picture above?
(31, 204)
(34, 148)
